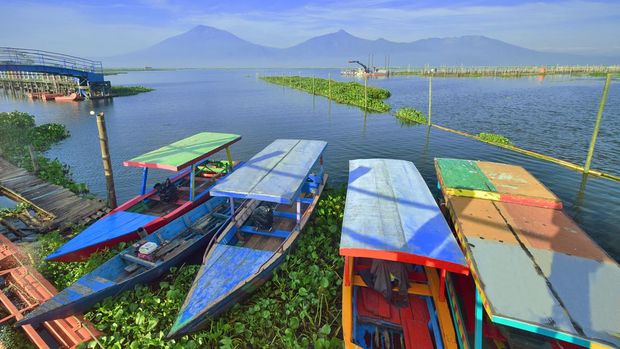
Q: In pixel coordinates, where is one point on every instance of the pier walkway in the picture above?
(55, 206)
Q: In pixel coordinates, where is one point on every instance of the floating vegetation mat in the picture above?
(351, 93)
(411, 115)
(493, 138)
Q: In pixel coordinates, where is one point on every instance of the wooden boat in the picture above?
(74, 97)
(50, 96)
(143, 262)
(196, 173)
(393, 226)
(280, 190)
(23, 288)
(538, 278)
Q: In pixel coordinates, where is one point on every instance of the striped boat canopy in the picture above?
(186, 152)
(276, 174)
(390, 214)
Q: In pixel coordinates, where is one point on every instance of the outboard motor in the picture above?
(262, 217)
(167, 191)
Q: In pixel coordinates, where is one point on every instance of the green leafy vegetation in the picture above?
(13, 338)
(18, 131)
(122, 91)
(493, 138)
(13, 212)
(298, 308)
(341, 92)
(411, 115)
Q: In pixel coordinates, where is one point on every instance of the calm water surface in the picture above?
(554, 116)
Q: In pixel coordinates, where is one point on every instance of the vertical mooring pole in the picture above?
(597, 125)
(107, 162)
(329, 85)
(430, 97)
(365, 92)
(33, 158)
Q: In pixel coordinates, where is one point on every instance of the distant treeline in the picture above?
(509, 71)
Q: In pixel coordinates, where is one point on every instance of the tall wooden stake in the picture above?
(430, 98)
(107, 162)
(597, 125)
(366, 92)
(33, 158)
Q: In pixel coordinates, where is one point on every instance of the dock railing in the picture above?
(21, 56)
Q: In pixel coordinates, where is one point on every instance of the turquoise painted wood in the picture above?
(479, 317)
(276, 174)
(391, 214)
(107, 228)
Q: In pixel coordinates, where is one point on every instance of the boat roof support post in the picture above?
(298, 211)
(442, 285)
(478, 325)
(232, 207)
(145, 174)
(192, 182)
(229, 157)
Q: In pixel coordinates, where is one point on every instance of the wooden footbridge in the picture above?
(54, 207)
(29, 70)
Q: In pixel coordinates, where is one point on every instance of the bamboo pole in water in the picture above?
(430, 98)
(107, 162)
(597, 124)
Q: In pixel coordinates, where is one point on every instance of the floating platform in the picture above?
(493, 181)
(534, 268)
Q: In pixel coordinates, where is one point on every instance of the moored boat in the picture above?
(538, 280)
(74, 97)
(153, 209)
(281, 186)
(50, 96)
(23, 288)
(398, 250)
(145, 261)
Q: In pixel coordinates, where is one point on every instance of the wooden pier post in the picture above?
(107, 162)
(430, 97)
(365, 92)
(597, 124)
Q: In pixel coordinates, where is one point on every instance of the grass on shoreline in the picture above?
(122, 91)
(351, 93)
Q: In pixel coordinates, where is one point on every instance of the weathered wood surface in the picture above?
(63, 206)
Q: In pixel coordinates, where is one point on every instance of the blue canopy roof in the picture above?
(390, 214)
(107, 228)
(276, 174)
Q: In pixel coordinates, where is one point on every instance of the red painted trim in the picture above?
(347, 276)
(405, 258)
(442, 285)
(530, 201)
(182, 166)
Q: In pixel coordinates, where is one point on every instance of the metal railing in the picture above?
(22, 56)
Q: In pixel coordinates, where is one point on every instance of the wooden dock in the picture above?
(54, 206)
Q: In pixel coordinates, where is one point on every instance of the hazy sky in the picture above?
(109, 27)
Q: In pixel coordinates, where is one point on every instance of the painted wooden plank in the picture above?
(480, 218)
(390, 214)
(462, 174)
(275, 174)
(227, 267)
(516, 184)
(588, 289)
(185, 152)
(553, 230)
(117, 224)
(514, 287)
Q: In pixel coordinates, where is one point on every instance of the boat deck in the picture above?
(538, 271)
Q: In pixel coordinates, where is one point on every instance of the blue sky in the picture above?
(109, 27)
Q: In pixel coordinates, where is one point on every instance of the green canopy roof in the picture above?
(186, 152)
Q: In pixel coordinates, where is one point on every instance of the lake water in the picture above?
(554, 116)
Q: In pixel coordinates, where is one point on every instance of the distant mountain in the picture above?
(205, 46)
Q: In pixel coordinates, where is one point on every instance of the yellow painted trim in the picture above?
(478, 194)
(347, 305)
(415, 288)
(443, 310)
(229, 157)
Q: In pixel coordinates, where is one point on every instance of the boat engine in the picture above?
(167, 191)
(262, 218)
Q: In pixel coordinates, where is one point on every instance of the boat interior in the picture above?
(159, 204)
(381, 323)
